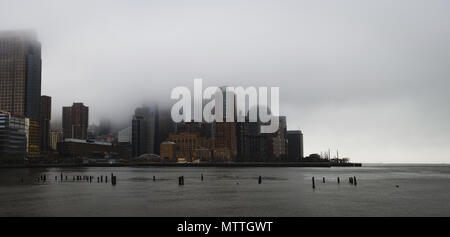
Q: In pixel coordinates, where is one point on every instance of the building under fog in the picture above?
(143, 132)
(20, 74)
(20, 84)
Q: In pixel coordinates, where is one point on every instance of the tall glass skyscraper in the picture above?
(20, 73)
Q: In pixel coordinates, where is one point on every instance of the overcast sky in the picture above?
(370, 78)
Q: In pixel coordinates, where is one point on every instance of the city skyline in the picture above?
(383, 99)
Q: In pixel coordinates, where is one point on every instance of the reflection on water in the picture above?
(381, 191)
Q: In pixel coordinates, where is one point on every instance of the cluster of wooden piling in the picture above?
(351, 180)
(101, 178)
(86, 178)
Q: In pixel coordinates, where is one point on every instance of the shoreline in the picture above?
(159, 164)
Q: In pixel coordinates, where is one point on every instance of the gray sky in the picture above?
(370, 78)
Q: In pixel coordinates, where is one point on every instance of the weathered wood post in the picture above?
(202, 177)
(114, 180)
(354, 180)
(339, 180)
(323, 179)
(313, 183)
(259, 179)
(154, 178)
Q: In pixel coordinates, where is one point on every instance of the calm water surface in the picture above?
(422, 191)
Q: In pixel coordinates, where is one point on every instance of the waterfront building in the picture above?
(124, 140)
(46, 111)
(168, 151)
(34, 139)
(111, 138)
(124, 136)
(78, 148)
(20, 73)
(204, 129)
(55, 137)
(75, 121)
(254, 146)
(13, 138)
(192, 147)
(225, 141)
(295, 145)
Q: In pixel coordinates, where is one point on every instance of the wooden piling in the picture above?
(259, 179)
(202, 177)
(114, 180)
(354, 180)
(323, 179)
(313, 183)
(339, 180)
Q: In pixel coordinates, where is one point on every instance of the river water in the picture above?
(381, 190)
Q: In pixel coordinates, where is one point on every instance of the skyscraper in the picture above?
(295, 145)
(75, 121)
(46, 111)
(20, 73)
(279, 140)
(143, 132)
